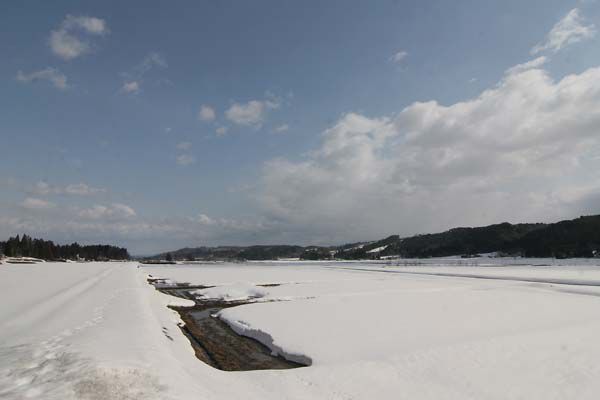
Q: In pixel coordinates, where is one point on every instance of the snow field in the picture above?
(100, 331)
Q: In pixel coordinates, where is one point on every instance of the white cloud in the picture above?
(571, 29)
(113, 211)
(205, 220)
(185, 159)
(139, 235)
(509, 154)
(252, 113)
(150, 61)
(67, 42)
(281, 128)
(184, 146)
(77, 189)
(52, 75)
(221, 225)
(206, 113)
(535, 63)
(221, 131)
(399, 57)
(32, 203)
(131, 87)
(92, 25)
(42, 188)
(135, 76)
(82, 189)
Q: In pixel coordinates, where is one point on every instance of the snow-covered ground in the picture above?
(369, 330)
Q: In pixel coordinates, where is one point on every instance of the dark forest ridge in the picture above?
(26, 246)
(571, 238)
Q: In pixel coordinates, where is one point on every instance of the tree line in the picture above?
(579, 237)
(25, 246)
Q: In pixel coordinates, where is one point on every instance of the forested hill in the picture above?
(26, 246)
(574, 238)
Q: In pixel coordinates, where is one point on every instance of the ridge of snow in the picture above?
(378, 249)
(232, 292)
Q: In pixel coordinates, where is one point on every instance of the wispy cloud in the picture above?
(52, 75)
(81, 189)
(112, 211)
(184, 145)
(185, 159)
(135, 76)
(535, 63)
(132, 87)
(32, 203)
(281, 128)
(67, 42)
(77, 189)
(221, 131)
(399, 57)
(150, 61)
(571, 29)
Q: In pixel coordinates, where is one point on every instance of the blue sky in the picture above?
(158, 125)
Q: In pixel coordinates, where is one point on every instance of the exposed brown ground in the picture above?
(215, 343)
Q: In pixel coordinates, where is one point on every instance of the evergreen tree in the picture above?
(26, 246)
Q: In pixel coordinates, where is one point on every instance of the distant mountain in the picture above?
(463, 241)
(235, 252)
(574, 238)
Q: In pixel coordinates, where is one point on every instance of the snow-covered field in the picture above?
(369, 330)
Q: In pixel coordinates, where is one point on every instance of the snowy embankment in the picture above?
(99, 331)
(232, 292)
(95, 331)
(248, 330)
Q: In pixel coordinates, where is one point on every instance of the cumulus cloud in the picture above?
(569, 30)
(52, 75)
(68, 42)
(111, 212)
(399, 57)
(206, 113)
(132, 87)
(507, 154)
(252, 113)
(185, 159)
